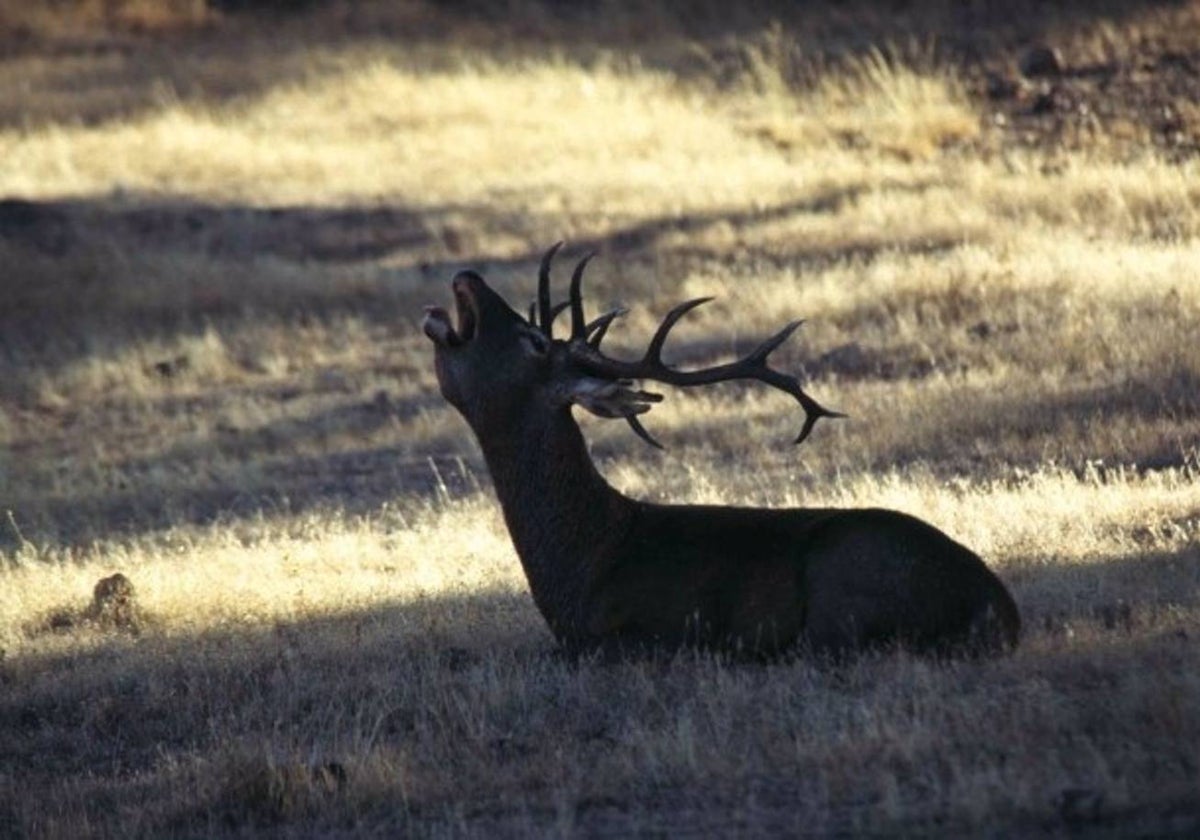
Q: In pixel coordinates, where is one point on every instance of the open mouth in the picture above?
(437, 322)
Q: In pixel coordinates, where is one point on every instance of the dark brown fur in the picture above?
(614, 573)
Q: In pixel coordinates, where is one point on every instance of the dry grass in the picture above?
(399, 650)
(211, 381)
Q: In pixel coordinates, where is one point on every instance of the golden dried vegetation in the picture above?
(217, 234)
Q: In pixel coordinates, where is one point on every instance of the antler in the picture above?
(585, 351)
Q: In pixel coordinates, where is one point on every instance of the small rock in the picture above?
(168, 368)
(1040, 62)
(982, 330)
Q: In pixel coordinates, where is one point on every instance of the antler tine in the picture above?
(752, 366)
(813, 411)
(640, 431)
(557, 310)
(578, 327)
(768, 347)
(600, 326)
(543, 294)
(654, 350)
(585, 349)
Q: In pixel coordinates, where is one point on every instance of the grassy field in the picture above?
(217, 233)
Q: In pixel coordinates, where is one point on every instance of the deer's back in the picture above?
(767, 579)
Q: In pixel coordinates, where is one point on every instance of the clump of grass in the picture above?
(912, 107)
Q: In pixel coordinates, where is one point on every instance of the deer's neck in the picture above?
(564, 518)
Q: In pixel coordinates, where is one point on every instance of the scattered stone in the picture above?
(982, 330)
(62, 620)
(114, 607)
(1041, 62)
(169, 368)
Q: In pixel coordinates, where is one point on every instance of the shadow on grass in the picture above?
(354, 482)
(1072, 420)
(993, 435)
(263, 472)
(325, 234)
(1117, 597)
(52, 317)
(125, 698)
(56, 228)
(107, 270)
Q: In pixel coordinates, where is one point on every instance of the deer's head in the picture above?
(496, 366)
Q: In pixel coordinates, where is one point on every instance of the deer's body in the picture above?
(610, 572)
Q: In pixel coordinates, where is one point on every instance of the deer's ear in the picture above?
(606, 398)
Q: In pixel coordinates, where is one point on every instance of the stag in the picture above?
(616, 574)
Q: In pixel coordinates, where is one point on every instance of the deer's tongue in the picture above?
(436, 325)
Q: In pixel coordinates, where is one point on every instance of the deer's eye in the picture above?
(536, 342)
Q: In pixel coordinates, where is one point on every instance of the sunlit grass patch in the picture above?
(287, 568)
(290, 567)
(427, 137)
(908, 108)
(614, 135)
